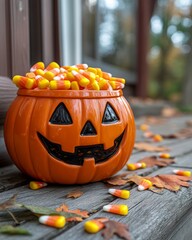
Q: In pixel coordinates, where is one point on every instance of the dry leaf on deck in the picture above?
(113, 227)
(189, 123)
(74, 194)
(81, 213)
(182, 134)
(117, 180)
(155, 161)
(149, 147)
(170, 181)
(155, 120)
(9, 203)
(170, 112)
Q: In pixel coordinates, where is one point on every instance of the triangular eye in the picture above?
(61, 115)
(110, 115)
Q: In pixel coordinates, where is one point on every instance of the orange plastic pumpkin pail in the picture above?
(69, 136)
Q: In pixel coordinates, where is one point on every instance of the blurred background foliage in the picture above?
(170, 48)
(110, 36)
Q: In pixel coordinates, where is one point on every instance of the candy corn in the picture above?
(34, 185)
(51, 74)
(61, 85)
(117, 209)
(94, 225)
(135, 166)
(157, 138)
(52, 65)
(145, 184)
(119, 193)
(182, 172)
(38, 65)
(53, 221)
(164, 155)
(144, 127)
(80, 76)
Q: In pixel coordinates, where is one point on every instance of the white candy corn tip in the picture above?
(74, 72)
(175, 171)
(141, 188)
(85, 65)
(43, 219)
(111, 190)
(106, 208)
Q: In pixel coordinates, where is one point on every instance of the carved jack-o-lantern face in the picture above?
(76, 138)
(61, 116)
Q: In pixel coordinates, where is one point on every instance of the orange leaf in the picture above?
(113, 227)
(117, 180)
(74, 194)
(155, 161)
(81, 213)
(149, 147)
(170, 181)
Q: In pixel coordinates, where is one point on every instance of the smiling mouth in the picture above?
(81, 152)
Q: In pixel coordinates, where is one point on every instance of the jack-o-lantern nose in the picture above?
(88, 129)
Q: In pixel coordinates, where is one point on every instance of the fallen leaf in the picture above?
(189, 123)
(74, 194)
(170, 181)
(135, 178)
(117, 180)
(182, 134)
(80, 214)
(40, 210)
(150, 148)
(170, 112)
(113, 227)
(10, 230)
(156, 161)
(155, 120)
(9, 203)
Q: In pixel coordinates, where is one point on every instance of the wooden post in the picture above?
(145, 9)
(20, 46)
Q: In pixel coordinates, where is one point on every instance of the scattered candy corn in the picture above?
(94, 225)
(119, 193)
(117, 209)
(145, 184)
(53, 221)
(135, 166)
(164, 155)
(34, 185)
(157, 138)
(182, 172)
(144, 127)
(78, 77)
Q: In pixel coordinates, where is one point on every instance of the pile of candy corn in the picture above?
(76, 77)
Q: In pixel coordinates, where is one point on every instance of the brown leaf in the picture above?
(117, 180)
(155, 120)
(155, 161)
(81, 214)
(189, 123)
(170, 181)
(182, 134)
(135, 178)
(149, 147)
(74, 194)
(170, 112)
(9, 203)
(113, 227)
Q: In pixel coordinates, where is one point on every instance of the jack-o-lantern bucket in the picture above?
(69, 136)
